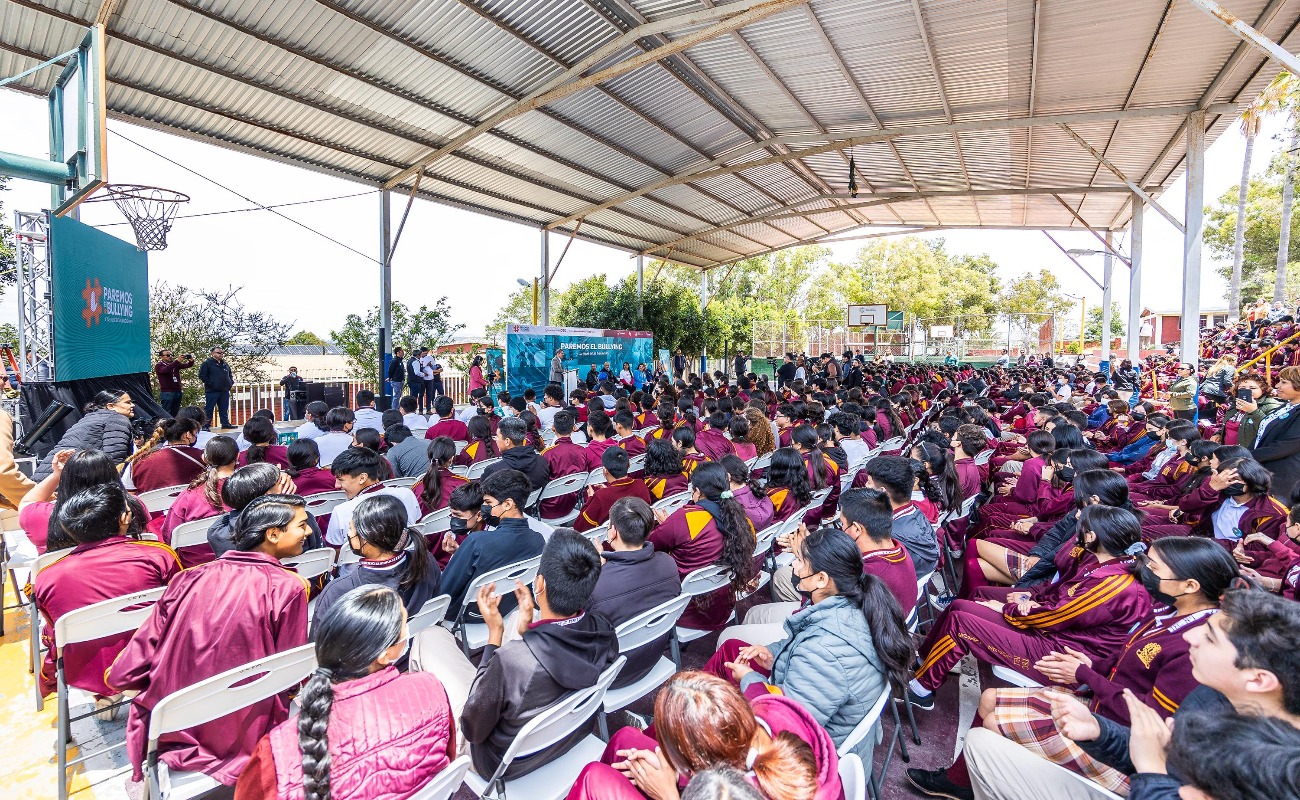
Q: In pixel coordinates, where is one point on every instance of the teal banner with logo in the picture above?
(100, 290)
(530, 348)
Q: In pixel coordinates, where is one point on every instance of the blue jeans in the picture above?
(218, 402)
(395, 389)
(171, 401)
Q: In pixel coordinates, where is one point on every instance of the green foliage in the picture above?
(518, 309)
(668, 309)
(9, 336)
(1035, 294)
(1092, 331)
(307, 338)
(422, 327)
(8, 248)
(193, 321)
(1262, 233)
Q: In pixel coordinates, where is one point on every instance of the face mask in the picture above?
(795, 580)
(1235, 489)
(459, 526)
(1151, 435)
(356, 551)
(1065, 473)
(406, 648)
(491, 521)
(1083, 543)
(1152, 583)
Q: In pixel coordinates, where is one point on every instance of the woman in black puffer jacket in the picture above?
(106, 426)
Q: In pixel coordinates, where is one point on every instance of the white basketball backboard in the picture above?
(861, 315)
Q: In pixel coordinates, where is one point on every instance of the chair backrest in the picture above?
(597, 534)
(534, 497)
(45, 559)
(324, 502)
(761, 462)
(105, 618)
(890, 445)
(192, 533)
(445, 783)
(315, 562)
(863, 727)
(564, 485)
(460, 445)
(983, 456)
(596, 477)
(230, 690)
(561, 719)
(433, 612)
(672, 502)
(418, 433)
(435, 522)
(705, 580)
(475, 471)
(636, 463)
(641, 433)
(157, 500)
(504, 578)
(764, 538)
(402, 483)
(819, 496)
(853, 777)
(650, 625)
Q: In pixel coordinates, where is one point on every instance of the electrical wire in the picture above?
(255, 208)
(246, 198)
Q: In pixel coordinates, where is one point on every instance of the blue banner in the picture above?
(531, 348)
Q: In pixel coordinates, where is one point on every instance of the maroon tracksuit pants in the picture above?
(968, 627)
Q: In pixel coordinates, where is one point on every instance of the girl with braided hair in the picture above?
(364, 728)
(168, 457)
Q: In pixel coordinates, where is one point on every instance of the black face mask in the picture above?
(1084, 545)
(795, 580)
(1234, 489)
(1152, 583)
(489, 519)
(459, 526)
(1151, 435)
(1065, 473)
(356, 551)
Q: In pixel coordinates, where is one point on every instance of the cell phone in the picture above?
(1245, 395)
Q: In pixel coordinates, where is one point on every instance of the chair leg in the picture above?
(676, 648)
(911, 720)
(898, 733)
(602, 725)
(62, 726)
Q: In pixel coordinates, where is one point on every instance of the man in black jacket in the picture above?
(396, 375)
(511, 438)
(634, 580)
(785, 372)
(217, 381)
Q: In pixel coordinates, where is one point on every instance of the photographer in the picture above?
(168, 372)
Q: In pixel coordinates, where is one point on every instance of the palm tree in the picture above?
(1283, 95)
(1251, 120)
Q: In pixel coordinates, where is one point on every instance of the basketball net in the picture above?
(150, 211)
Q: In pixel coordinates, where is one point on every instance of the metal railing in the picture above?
(1268, 362)
(247, 398)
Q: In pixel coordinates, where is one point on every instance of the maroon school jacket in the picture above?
(565, 458)
(1092, 612)
(173, 465)
(692, 538)
(596, 511)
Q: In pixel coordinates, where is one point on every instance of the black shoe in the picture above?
(936, 783)
(924, 703)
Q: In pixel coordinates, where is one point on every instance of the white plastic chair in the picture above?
(762, 547)
(324, 502)
(533, 498)
(34, 621)
(433, 612)
(445, 783)
(853, 777)
(473, 635)
(311, 563)
(983, 457)
(556, 723)
(761, 462)
(475, 471)
(596, 477)
(597, 534)
(402, 483)
(1015, 678)
(891, 445)
(157, 500)
(701, 581)
(211, 699)
(418, 433)
(860, 732)
(639, 631)
(458, 470)
(672, 502)
(86, 624)
(460, 445)
(562, 487)
(636, 463)
(435, 523)
(192, 533)
(819, 497)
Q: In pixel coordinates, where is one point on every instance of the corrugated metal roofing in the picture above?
(364, 88)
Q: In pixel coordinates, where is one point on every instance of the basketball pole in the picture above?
(385, 293)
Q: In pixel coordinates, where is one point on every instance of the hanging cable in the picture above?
(255, 208)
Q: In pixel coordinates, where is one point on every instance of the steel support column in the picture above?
(1135, 283)
(385, 292)
(1195, 222)
(1107, 291)
(546, 277)
(640, 284)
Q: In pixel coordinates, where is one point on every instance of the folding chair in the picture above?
(192, 533)
(553, 780)
(401, 483)
(701, 581)
(435, 523)
(762, 549)
(818, 497)
(636, 463)
(212, 699)
(86, 624)
(34, 621)
(433, 612)
(596, 477)
(597, 534)
(311, 563)
(418, 433)
(10, 562)
(460, 445)
(159, 500)
(324, 502)
(853, 777)
(473, 635)
(860, 732)
(533, 498)
(892, 445)
(1015, 678)
(983, 457)
(562, 487)
(639, 631)
(475, 471)
(445, 783)
(761, 462)
(672, 502)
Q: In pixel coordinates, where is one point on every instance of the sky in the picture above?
(472, 259)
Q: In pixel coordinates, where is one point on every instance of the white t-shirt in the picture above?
(799, 373)
(1226, 518)
(426, 367)
(546, 416)
(308, 430)
(331, 444)
(854, 449)
(341, 517)
(414, 421)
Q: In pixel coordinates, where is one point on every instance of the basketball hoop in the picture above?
(150, 211)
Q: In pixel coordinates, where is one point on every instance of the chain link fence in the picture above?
(980, 338)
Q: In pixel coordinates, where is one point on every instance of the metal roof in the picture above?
(712, 131)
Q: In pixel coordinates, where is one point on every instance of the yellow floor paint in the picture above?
(27, 767)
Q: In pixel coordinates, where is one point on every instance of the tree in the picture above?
(1282, 95)
(518, 309)
(667, 309)
(1035, 294)
(1092, 331)
(193, 321)
(8, 248)
(1251, 120)
(423, 327)
(307, 338)
(1261, 241)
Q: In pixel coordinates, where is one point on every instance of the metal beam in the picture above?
(1105, 162)
(719, 166)
(732, 16)
(1107, 292)
(1070, 256)
(1247, 34)
(789, 212)
(1135, 284)
(1091, 229)
(1191, 333)
(385, 290)
(546, 277)
(1033, 95)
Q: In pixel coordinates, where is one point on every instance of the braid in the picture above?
(146, 448)
(315, 702)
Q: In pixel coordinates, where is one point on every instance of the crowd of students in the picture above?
(1139, 566)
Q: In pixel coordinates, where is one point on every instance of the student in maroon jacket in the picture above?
(969, 438)
(712, 441)
(482, 444)
(565, 459)
(305, 469)
(370, 727)
(447, 424)
(600, 499)
(261, 436)
(244, 606)
(434, 490)
(663, 470)
(600, 435)
(106, 563)
(168, 458)
(624, 427)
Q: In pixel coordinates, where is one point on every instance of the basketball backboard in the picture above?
(867, 315)
(78, 123)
